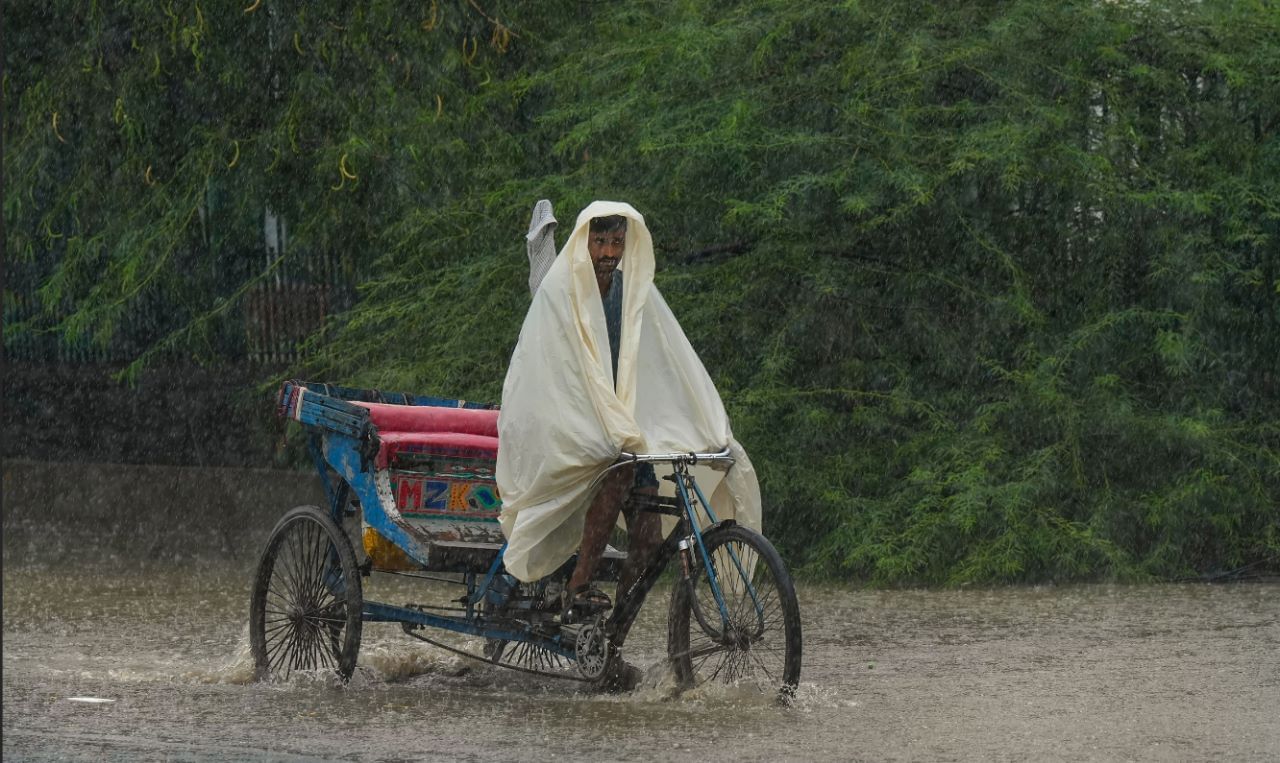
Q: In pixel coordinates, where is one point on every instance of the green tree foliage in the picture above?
(991, 289)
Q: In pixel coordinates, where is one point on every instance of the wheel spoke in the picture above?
(311, 647)
(751, 653)
(293, 565)
(702, 652)
(311, 567)
(304, 568)
(282, 595)
(318, 566)
(271, 626)
(322, 637)
(282, 651)
(308, 651)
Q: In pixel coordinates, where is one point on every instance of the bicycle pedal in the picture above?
(580, 614)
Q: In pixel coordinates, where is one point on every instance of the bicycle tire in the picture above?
(762, 646)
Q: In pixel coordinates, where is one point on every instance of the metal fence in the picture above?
(267, 325)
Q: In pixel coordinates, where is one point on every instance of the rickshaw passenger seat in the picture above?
(469, 432)
(432, 418)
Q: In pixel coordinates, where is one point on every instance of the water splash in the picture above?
(400, 661)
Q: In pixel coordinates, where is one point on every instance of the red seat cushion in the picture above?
(443, 443)
(432, 418)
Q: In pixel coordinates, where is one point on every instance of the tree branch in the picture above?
(733, 247)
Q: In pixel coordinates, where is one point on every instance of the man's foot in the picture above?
(583, 602)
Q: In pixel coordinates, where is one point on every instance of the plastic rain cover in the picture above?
(563, 420)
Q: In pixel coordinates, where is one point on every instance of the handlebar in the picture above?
(688, 458)
(720, 461)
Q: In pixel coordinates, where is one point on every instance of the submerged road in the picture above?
(130, 585)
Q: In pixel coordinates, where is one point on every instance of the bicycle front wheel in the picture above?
(755, 640)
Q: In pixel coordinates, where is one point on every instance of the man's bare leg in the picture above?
(644, 535)
(601, 518)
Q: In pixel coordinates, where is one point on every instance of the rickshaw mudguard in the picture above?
(348, 457)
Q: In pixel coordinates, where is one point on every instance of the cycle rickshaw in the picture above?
(418, 471)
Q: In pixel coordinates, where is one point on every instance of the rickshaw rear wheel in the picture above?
(761, 646)
(305, 610)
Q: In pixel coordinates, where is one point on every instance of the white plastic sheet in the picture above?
(563, 419)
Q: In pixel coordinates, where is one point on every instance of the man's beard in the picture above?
(605, 267)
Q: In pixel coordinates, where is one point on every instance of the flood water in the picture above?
(132, 585)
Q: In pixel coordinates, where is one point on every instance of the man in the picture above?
(601, 368)
(607, 245)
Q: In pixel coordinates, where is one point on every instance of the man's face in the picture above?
(606, 249)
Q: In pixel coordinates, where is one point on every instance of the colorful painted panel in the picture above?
(445, 495)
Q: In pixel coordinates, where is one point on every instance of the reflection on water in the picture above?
(147, 605)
